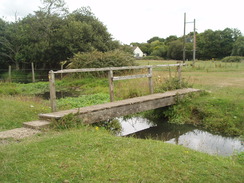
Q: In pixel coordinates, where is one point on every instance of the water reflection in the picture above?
(185, 135)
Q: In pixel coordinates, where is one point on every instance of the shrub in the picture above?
(151, 58)
(233, 59)
(173, 84)
(96, 59)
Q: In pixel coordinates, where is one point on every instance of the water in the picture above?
(185, 135)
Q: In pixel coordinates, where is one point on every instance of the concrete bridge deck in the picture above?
(101, 112)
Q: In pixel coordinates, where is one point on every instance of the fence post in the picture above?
(62, 67)
(111, 85)
(51, 77)
(170, 76)
(33, 72)
(9, 74)
(150, 80)
(179, 73)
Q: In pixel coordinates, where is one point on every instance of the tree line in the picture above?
(52, 35)
(210, 44)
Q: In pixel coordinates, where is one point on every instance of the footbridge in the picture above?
(102, 112)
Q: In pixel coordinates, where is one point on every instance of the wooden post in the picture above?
(179, 74)
(52, 91)
(9, 74)
(62, 67)
(111, 85)
(150, 80)
(33, 72)
(170, 76)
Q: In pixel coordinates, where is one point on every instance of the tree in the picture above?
(175, 50)
(156, 38)
(11, 42)
(216, 44)
(238, 47)
(54, 7)
(158, 49)
(170, 39)
(51, 36)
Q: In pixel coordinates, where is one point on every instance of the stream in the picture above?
(185, 135)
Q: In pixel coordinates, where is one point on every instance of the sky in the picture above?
(139, 20)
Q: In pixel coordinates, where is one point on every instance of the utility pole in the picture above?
(194, 40)
(184, 40)
(194, 43)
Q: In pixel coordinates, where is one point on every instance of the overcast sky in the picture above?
(139, 20)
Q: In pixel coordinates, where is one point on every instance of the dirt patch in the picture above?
(18, 133)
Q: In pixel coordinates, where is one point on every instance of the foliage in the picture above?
(151, 58)
(233, 59)
(216, 44)
(175, 50)
(173, 83)
(9, 89)
(66, 122)
(238, 47)
(82, 101)
(158, 49)
(112, 125)
(96, 59)
(52, 35)
(213, 113)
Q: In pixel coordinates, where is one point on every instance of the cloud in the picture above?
(8, 8)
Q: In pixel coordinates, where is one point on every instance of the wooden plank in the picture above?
(114, 68)
(131, 77)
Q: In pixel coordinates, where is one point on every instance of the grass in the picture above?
(18, 109)
(92, 155)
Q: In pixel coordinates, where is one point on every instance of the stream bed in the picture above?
(185, 135)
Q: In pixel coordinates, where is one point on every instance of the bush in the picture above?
(151, 58)
(233, 59)
(96, 59)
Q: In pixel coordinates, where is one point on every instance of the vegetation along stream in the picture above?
(185, 135)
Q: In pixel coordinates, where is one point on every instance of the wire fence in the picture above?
(28, 75)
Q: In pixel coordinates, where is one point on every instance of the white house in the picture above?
(137, 52)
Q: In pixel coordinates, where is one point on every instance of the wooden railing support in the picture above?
(179, 74)
(52, 91)
(150, 81)
(9, 74)
(33, 72)
(111, 85)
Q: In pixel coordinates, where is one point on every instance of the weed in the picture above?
(173, 84)
(68, 121)
(112, 126)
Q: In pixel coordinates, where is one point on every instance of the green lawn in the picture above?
(92, 155)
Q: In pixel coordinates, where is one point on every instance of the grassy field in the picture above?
(91, 154)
